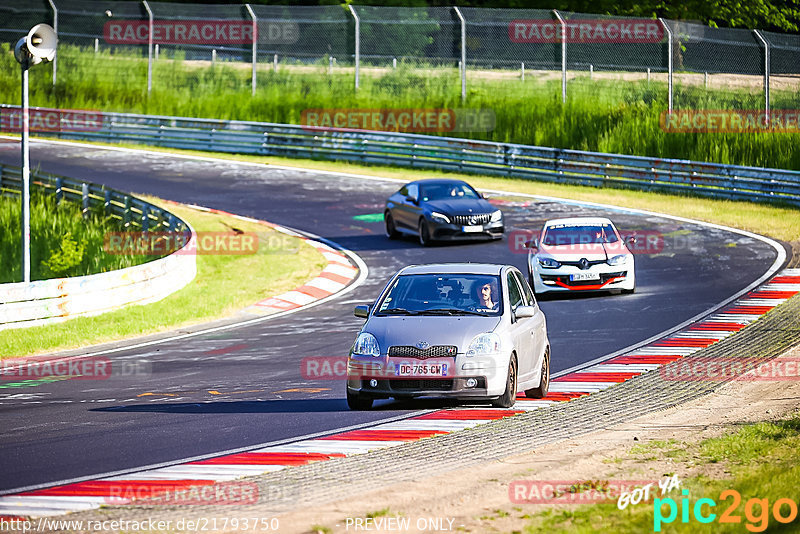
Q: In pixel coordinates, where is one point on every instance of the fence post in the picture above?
(563, 56)
(85, 199)
(255, 45)
(463, 68)
(766, 71)
(107, 201)
(59, 189)
(522, 71)
(669, 62)
(149, 46)
(55, 29)
(358, 40)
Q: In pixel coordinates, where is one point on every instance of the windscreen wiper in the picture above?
(451, 311)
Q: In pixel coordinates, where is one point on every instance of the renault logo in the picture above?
(583, 264)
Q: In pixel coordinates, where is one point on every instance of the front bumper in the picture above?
(441, 231)
(377, 378)
(608, 277)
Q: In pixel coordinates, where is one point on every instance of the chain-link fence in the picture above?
(576, 53)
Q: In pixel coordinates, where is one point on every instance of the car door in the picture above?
(537, 326)
(520, 328)
(408, 210)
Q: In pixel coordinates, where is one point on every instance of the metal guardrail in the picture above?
(47, 301)
(444, 153)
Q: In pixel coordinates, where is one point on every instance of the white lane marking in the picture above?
(579, 387)
(325, 284)
(330, 446)
(447, 425)
(621, 368)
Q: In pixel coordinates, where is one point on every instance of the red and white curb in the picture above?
(208, 472)
(338, 274)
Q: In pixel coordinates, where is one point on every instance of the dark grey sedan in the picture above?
(441, 209)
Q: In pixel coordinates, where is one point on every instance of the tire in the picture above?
(629, 291)
(424, 233)
(391, 229)
(358, 402)
(544, 382)
(509, 397)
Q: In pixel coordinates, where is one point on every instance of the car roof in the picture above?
(579, 220)
(438, 181)
(454, 268)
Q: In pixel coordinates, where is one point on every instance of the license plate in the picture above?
(472, 229)
(420, 369)
(577, 277)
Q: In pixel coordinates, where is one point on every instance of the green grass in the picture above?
(63, 242)
(763, 460)
(224, 284)
(600, 115)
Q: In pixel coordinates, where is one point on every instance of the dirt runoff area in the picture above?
(477, 499)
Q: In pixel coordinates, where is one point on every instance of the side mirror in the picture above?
(362, 310)
(525, 311)
(631, 240)
(411, 199)
(533, 243)
(485, 196)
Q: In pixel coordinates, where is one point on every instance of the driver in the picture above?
(487, 295)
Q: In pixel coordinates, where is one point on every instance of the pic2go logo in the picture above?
(756, 511)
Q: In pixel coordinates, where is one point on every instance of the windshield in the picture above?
(443, 294)
(447, 191)
(562, 234)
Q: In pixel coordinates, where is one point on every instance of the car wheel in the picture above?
(356, 401)
(509, 397)
(391, 229)
(424, 233)
(544, 382)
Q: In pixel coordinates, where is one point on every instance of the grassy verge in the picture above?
(63, 243)
(600, 115)
(763, 462)
(223, 285)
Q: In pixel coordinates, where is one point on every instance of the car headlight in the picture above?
(619, 259)
(549, 263)
(497, 216)
(366, 345)
(440, 217)
(487, 343)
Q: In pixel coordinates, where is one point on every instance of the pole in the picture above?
(766, 71)
(55, 29)
(358, 41)
(255, 46)
(563, 56)
(26, 181)
(463, 54)
(149, 47)
(669, 62)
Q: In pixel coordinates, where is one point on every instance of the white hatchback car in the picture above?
(580, 254)
(460, 330)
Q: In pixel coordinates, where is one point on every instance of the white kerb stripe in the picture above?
(621, 368)
(296, 297)
(325, 284)
(341, 270)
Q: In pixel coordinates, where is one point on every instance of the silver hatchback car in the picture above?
(461, 330)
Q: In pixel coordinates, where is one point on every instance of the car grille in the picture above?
(588, 264)
(421, 385)
(469, 220)
(436, 351)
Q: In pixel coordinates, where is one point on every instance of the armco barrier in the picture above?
(47, 301)
(443, 153)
